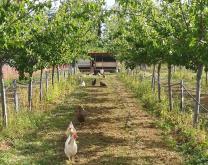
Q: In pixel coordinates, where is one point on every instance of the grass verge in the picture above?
(177, 126)
(30, 136)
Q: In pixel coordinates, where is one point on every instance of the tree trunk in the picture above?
(73, 67)
(58, 73)
(64, 73)
(145, 68)
(153, 79)
(53, 72)
(21, 75)
(136, 70)
(69, 70)
(30, 93)
(174, 68)
(16, 101)
(3, 99)
(46, 81)
(74, 70)
(170, 88)
(41, 84)
(158, 82)
(198, 94)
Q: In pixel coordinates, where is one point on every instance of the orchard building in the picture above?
(99, 61)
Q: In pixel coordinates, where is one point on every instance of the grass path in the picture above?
(117, 132)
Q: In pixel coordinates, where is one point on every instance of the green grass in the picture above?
(177, 126)
(37, 137)
(42, 142)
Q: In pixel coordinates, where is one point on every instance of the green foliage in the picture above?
(150, 32)
(35, 36)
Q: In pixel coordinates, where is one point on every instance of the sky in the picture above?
(110, 2)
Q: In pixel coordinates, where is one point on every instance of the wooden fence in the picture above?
(13, 92)
(179, 88)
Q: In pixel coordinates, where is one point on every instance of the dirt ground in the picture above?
(118, 131)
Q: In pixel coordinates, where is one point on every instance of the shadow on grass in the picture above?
(111, 159)
(93, 141)
(45, 145)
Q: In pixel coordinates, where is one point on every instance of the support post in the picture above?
(182, 96)
(30, 94)
(41, 84)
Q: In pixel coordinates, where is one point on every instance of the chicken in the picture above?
(94, 82)
(71, 146)
(102, 71)
(80, 78)
(102, 84)
(82, 84)
(80, 114)
(70, 130)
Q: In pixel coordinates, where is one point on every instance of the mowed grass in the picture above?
(43, 145)
(117, 131)
(38, 137)
(177, 126)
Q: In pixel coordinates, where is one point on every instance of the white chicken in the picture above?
(102, 71)
(70, 144)
(70, 130)
(83, 83)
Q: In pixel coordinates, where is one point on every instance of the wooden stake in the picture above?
(182, 96)
(41, 84)
(30, 94)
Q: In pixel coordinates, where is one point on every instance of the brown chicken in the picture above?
(81, 114)
(94, 82)
(102, 84)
